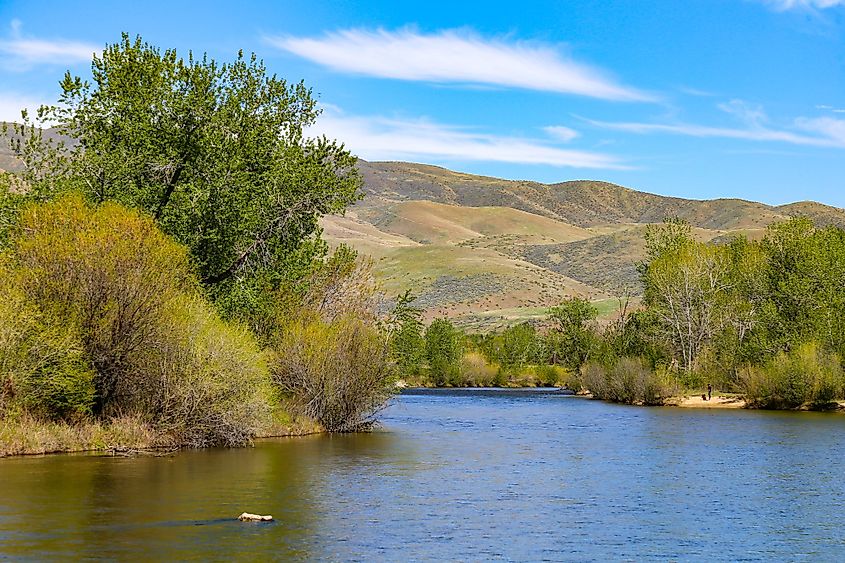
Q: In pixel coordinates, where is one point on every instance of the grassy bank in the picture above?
(26, 435)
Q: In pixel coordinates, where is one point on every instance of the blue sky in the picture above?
(702, 99)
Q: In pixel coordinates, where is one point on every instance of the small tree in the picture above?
(443, 350)
(405, 331)
(570, 338)
(521, 346)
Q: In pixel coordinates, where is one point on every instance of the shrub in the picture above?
(804, 375)
(42, 367)
(337, 372)
(476, 372)
(550, 376)
(628, 380)
(108, 273)
(205, 381)
(100, 314)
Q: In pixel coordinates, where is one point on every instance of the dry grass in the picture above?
(26, 436)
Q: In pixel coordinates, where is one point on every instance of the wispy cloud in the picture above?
(831, 109)
(819, 132)
(457, 56)
(784, 5)
(20, 52)
(561, 133)
(695, 92)
(382, 138)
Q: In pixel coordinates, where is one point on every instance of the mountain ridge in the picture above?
(582, 237)
(488, 251)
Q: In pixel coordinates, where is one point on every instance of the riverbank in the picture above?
(27, 436)
(732, 401)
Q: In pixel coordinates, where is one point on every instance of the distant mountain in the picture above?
(490, 251)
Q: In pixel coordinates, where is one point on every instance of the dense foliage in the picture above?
(216, 153)
(762, 318)
(101, 317)
(162, 242)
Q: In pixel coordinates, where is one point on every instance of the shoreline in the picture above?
(716, 402)
(28, 439)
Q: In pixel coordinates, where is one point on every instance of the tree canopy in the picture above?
(217, 153)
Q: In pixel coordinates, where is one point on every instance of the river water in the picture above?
(458, 475)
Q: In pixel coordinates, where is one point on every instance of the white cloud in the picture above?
(751, 115)
(819, 132)
(381, 138)
(457, 56)
(825, 132)
(784, 5)
(19, 52)
(561, 133)
(825, 127)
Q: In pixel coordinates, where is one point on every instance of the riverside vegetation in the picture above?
(163, 281)
(762, 319)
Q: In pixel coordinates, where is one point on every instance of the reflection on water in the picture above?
(457, 475)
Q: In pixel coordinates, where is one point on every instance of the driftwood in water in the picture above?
(247, 517)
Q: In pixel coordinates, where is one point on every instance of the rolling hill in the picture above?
(487, 251)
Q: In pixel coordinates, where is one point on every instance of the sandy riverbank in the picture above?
(715, 402)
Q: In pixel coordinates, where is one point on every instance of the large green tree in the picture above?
(217, 153)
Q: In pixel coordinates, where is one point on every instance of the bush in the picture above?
(337, 372)
(205, 380)
(550, 376)
(476, 372)
(107, 273)
(804, 375)
(628, 380)
(43, 368)
(101, 315)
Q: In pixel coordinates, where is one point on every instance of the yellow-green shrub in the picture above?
(337, 372)
(102, 314)
(206, 380)
(107, 272)
(628, 380)
(476, 372)
(806, 374)
(42, 366)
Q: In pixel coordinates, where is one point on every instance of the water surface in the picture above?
(466, 475)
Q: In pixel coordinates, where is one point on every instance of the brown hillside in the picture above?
(582, 237)
(487, 251)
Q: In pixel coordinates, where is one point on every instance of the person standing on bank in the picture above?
(709, 391)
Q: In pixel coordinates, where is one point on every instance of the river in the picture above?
(457, 475)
